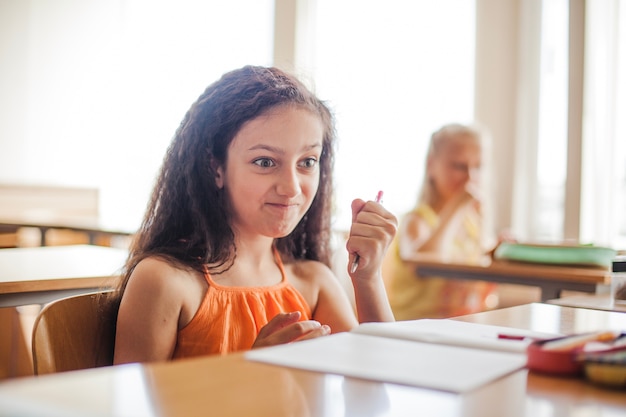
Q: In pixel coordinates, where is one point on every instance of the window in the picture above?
(96, 89)
(398, 71)
(90, 82)
(552, 129)
(603, 211)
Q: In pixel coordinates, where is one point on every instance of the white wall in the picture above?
(92, 91)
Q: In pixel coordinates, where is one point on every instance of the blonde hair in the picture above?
(438, 141)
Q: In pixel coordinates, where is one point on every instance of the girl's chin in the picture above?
(280, 235)
(283, 232)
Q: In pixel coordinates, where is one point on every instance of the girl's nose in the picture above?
(473, 175)
(288, 183)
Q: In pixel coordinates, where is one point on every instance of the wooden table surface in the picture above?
(551, 279)
(232, 386)
(39, 274)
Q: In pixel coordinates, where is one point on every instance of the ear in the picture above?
(219, 173)
(219, 178)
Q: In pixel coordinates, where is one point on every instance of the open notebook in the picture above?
(456, 333)
(440, 354)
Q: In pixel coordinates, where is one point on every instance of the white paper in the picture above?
(428, 365)
(455, 333)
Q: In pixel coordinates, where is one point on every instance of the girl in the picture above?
(233, 251)
(446, 222)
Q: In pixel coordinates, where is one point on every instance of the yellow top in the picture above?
(413, 297)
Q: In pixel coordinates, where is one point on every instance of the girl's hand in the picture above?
(285, 328)
(373, 229)
(474, 191)
(467, 197)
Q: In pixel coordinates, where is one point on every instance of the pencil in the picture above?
(355, 263)
(576, 341)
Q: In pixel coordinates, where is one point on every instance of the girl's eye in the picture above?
(309, 163)
(459, 167)
(264, 162)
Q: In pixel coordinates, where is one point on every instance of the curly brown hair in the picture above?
(187, 221)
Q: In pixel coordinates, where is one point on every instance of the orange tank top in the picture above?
(230, 318)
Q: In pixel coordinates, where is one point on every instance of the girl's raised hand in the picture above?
(285, 328)
(371, 233)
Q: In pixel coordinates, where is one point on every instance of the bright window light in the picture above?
(393, 72)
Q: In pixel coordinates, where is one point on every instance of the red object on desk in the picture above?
(556, 362)
(511, 337)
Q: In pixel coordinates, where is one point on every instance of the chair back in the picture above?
(73, 333)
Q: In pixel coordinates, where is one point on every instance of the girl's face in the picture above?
(455, 166)
(272, 172)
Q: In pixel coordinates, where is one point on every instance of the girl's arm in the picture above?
(147, 322)
(417, 236)
(373, 229)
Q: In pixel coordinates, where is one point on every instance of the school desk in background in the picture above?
(552, 268)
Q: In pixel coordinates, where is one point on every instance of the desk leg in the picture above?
(43, 231)
(603, 289)
(549, 292)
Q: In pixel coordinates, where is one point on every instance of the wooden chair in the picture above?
(72, 333)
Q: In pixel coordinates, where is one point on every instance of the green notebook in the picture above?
(556, 254)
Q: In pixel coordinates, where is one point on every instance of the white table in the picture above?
(40, 274)
(597, 302)
(232, 386)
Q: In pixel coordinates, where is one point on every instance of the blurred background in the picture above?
(92, 91)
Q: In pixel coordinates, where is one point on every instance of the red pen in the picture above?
(355, 263)
(512, 337)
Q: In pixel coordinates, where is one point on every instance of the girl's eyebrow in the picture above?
(280, 151)
(264, 147)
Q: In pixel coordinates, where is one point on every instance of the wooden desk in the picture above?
(551, 279)
(47, 207)
(41, 274)
(232, 386)
(90, 226)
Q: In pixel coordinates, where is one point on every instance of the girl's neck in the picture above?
(254, 266)
(256, 248)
